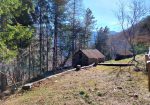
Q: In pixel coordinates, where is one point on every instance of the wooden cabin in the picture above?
(87, 57)
(123, 55)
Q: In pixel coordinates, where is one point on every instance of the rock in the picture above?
(56, 81)
(99, 94)
(7, 93)
(135, 96)
(1, 96)
(95, 64)
(129, 79)
(129, 76)
(120, 88)
(78, 67)
(27, 86)
(137, 69)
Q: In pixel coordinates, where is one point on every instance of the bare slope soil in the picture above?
(96, 86)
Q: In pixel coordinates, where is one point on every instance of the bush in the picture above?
(141, 48)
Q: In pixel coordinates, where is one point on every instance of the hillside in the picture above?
(96, 86)
(119, 42)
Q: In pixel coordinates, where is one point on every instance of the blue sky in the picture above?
(104, 12)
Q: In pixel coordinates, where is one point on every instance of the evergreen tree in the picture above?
(12, 33)
(101, 40)
(89, 22)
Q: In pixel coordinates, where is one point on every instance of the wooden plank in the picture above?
(27, 86)
(30, 85)
(116, 64)
(148, 67)
(146, 59)
(86, 67)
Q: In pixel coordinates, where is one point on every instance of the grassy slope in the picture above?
(97, 86)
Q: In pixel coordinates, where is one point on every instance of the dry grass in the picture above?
(97, 86)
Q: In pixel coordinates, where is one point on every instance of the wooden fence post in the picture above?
(146, 59)
(148, 67)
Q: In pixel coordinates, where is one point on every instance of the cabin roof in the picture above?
(92, 53)
(122, 52)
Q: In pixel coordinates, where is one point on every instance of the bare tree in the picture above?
(129, 15)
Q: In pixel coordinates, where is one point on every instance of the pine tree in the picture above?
(89, 22)
(101, 40)
(13, 33)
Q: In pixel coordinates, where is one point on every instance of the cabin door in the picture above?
(80, 59)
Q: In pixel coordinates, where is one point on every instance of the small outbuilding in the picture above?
(87, 56)
(123, 55)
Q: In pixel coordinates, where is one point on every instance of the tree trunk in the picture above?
(47, 61)
(40, 40)
(29, 62)
(55, 37)
(73, 30)
(3, 80)
(3, 77)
